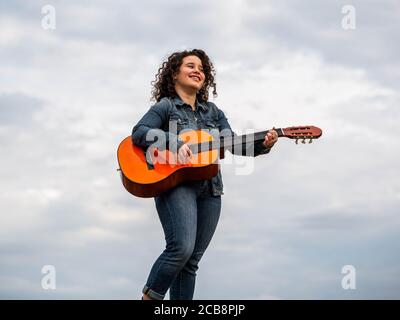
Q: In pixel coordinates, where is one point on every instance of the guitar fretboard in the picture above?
(232, 142)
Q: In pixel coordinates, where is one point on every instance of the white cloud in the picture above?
(303, 211)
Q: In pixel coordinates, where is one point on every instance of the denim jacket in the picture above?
(206, 116)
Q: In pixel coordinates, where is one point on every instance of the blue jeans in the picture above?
(189, 215)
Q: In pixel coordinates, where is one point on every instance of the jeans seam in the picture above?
(180, 284)
(173, 232)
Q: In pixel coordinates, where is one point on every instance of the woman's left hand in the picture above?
(270, 138)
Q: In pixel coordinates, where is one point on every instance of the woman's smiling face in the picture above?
(191, 74)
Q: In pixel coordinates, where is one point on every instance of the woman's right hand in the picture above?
(184, 154)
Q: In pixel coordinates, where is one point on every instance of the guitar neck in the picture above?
(228, 142)
(233, 141)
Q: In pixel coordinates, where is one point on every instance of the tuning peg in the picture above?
(310, 141)
(303, 141)
(297, 141)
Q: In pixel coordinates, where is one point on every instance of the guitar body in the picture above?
(158, 172)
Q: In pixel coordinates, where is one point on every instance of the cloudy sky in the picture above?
(288, 226)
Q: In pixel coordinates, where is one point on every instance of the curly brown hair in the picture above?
(163, 85)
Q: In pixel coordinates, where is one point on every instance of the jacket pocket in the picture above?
(210, 124)
(178, 121)
(213, 129)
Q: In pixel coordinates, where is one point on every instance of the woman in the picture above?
(190, 211)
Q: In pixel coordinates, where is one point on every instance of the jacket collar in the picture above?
(179, 102)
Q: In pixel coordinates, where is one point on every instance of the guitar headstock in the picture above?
(302, 132)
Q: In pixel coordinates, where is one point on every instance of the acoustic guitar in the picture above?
(152, 172)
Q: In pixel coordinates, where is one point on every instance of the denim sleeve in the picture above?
(148, 130)
(251, 149)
